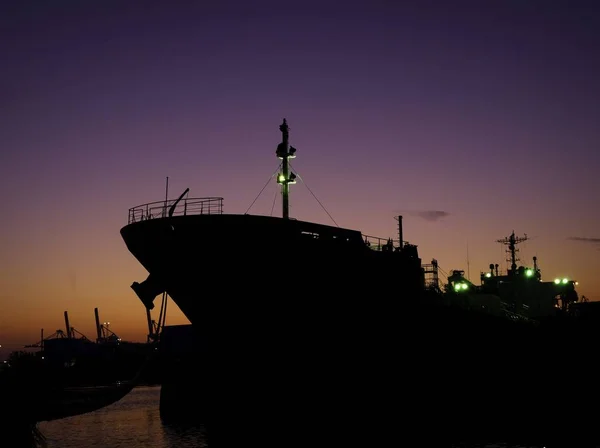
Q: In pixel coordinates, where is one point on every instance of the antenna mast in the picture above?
(285, 177)
(512, 250)
(468, 264)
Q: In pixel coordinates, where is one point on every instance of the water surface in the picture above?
(132, 422)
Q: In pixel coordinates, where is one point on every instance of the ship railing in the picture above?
(187, 206)
(379, 244)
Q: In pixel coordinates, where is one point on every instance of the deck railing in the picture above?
(187, 206)
(378, 244)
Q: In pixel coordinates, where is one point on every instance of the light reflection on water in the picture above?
(132, 422)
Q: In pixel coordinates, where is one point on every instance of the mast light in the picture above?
(290, 180)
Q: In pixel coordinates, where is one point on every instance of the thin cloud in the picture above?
(432, 215)
(427, 215)
(584, 239)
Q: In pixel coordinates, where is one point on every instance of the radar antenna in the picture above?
(285, 177)
(512, 250)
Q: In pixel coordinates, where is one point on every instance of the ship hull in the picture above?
(252, 267)
(305, 330)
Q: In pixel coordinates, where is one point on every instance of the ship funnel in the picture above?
(400, 235)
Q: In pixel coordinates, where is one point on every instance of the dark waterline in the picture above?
(133, 422)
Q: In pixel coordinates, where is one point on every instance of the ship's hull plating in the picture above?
(320, 332)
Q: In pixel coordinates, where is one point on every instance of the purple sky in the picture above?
(489, 114)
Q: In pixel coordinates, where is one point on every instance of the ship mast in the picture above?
(285, 177)
(512, 250)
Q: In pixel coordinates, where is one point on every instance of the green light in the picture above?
(529, 272)
(557, 281)
(565, 280)
(460, 286)
(488, 275)
(281, 178)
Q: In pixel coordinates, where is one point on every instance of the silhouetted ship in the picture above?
(521, 294)
(209, 261)
(320, 332)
